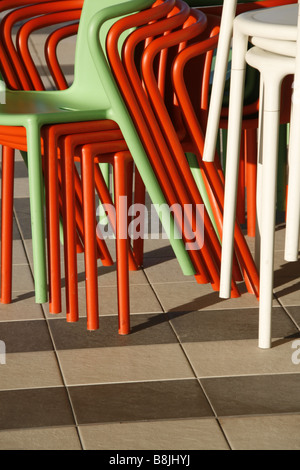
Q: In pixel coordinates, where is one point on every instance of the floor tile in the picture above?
(263, 432)
(287, 282)
(19, 255)
(142, 300)
(157, 249)
(254, 395)
(30, 370)
(173, 399)
(35, 408)
(165, 270)
(124, 364)
(22, 279)
(221, 325)
(241, 357)
(145, 329)
(189, 296)
(295, 314)
(107, 276)
(64, 438)
(22, 307)
(25, 336)
(186, 434)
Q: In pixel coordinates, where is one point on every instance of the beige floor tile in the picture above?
(235, 358)
(263, 432)
(30, 370)
(142, 300)
(164, 270)
(64, 438)
(22, 279)
(124, 364)
(107, 275)
(194, 434)
(21, 188)
(23, 307)
(19, 255)
(158, 248)
(189, 296)
(278, 243)
(287, 281)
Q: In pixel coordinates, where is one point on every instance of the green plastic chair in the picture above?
(92, 96)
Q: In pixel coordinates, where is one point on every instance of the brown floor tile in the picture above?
(254, 395)
(189, 296)
(145, 329)
(25, 336)
(295, 314)
(35, 408)
(221, 325)
(174, 399)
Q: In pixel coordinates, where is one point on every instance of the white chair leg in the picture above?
(237, 82)
(293, 202)
(221, 64)
(271, 125)
(259, 178)
(272, 75)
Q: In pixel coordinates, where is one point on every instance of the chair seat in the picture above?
(285, 48)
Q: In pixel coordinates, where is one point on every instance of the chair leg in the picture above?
(121, 162)
(69, 222)
(293, 199)
(37, 211)
(53, 229)
(139, 198)
(271, 126)
(251, 167)
(7, 223)
(232, 164)
(90, 252)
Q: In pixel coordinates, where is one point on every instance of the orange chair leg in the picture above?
(90, 253)
(251, 168)
(7, 223)
(121, 161)
(70, 233)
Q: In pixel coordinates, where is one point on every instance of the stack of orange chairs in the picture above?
(163, 43)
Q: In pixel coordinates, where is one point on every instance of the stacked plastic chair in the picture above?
(272, 30)
(13, 136)
(130, 121)
(246, 202)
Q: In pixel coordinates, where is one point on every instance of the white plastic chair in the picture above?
(260, 27)
(293, 206)
(225, 37)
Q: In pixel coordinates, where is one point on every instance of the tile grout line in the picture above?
(50, 334)
(191, 366)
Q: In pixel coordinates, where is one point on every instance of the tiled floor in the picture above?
(189, 376)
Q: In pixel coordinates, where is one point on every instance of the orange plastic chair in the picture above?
(31, 79)
(161, 167)
(10, 63)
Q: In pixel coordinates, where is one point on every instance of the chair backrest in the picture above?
(90, 70)
(141, 108)
(17, 65)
